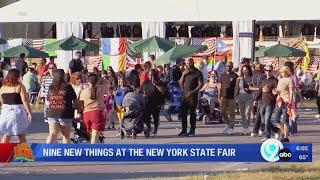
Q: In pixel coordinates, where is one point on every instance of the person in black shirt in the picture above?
(1, 72)
(154, 101)
(191, 81)
(266, 89)
(21, 65)
(134, 76)
(172, 79)
(174, 73)
(258, 76)
(112, 77)
(61, 100)
(76, 64)
(227, 98)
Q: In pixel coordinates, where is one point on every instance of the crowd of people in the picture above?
(97, 98)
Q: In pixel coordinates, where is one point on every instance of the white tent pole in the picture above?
(26, 31)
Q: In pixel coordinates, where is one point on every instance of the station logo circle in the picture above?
(285, 154)
(270, 150)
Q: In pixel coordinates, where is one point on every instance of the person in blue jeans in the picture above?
(266, 89)
(174, 89)
(285, 90)
(175, 92)
(293, 128)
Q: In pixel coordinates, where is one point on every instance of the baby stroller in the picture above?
(80, 134)
(132, 123)
(204, 110)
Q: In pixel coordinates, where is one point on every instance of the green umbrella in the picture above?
(72, 43)
(28, 51)
(152, 44)
(3, 41)
(177, 52)
(280, 50)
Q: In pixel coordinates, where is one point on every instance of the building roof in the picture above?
(157, 10)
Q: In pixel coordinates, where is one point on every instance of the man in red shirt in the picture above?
(42, 69)
(145, 73)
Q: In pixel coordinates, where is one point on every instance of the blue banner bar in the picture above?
(173, 152)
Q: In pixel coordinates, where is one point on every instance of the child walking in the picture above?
(109, 108)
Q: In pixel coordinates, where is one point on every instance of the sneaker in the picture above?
(119, 134)
(191, 134)
(182, 134)
(134, 135)
(146, 133)
(254, 134)
(260, 133)
(226, 129)
(168, 117)
(277, 136)
(230, 131)
(154, 134)
(101, 138)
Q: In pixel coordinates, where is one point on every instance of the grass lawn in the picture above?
(290, 172)
(309, 171)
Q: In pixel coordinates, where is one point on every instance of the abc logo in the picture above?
(285, 154)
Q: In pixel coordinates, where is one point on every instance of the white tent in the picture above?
(157, 10)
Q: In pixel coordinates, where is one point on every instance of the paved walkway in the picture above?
(309, 131)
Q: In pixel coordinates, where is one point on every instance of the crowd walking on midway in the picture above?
(132, 102)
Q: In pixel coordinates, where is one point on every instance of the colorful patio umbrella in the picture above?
(177, 52)
(28, 51)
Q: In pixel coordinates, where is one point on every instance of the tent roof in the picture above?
(157, 10)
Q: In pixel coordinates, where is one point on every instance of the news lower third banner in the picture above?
(266, 152)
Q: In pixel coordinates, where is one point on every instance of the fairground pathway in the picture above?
(309, 131)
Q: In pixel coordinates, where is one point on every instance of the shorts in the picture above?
(95, 119)
(13, 119)
(62, 122)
